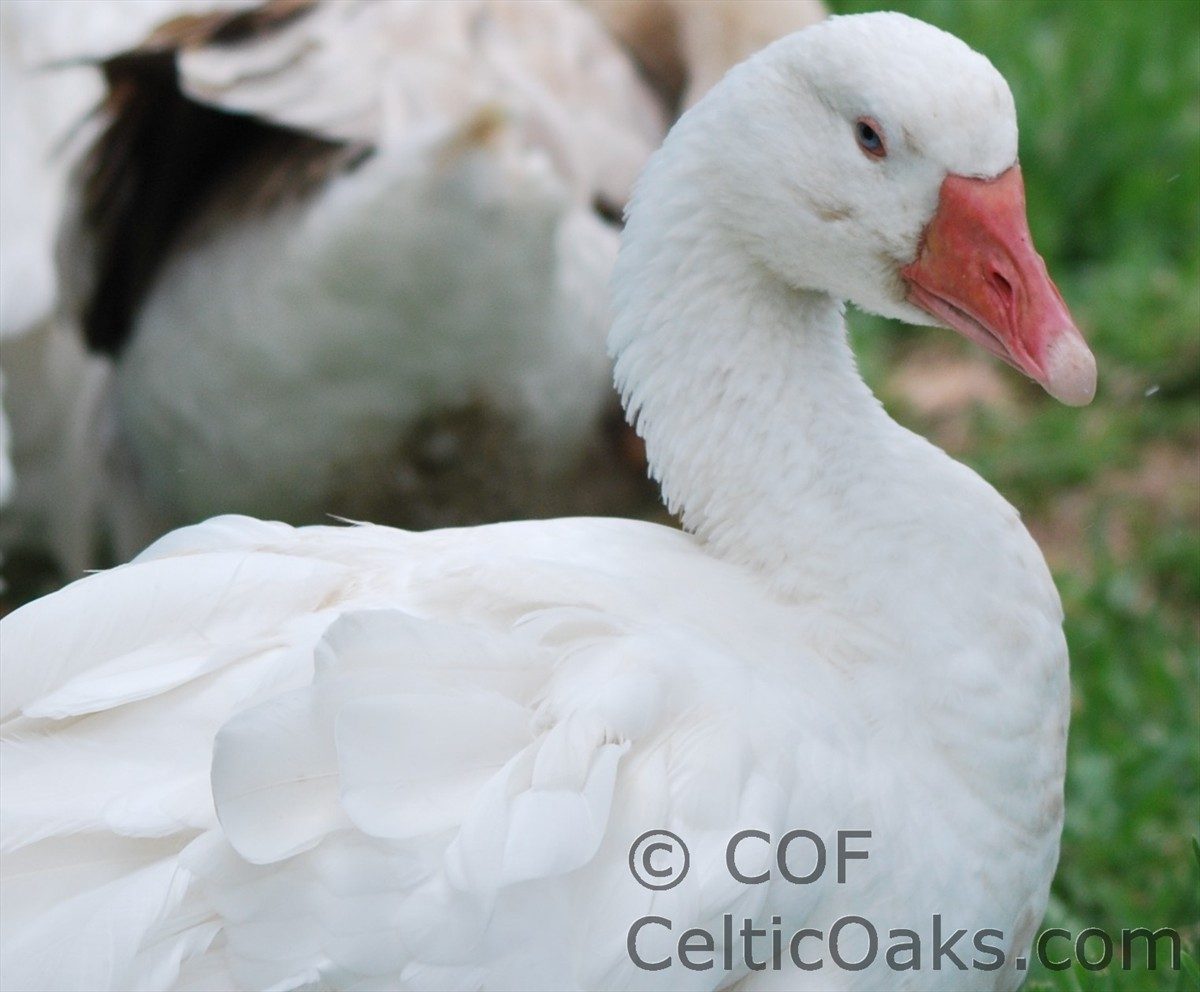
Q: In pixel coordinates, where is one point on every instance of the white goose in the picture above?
(351, 257)
(53, 390)
(357, 757)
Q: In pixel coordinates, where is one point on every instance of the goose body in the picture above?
(265, 756)
(352, 258)
(399, 245)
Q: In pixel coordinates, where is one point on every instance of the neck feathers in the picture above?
(772, 449)
(755, 418)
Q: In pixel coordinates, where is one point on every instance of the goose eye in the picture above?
(870, 138)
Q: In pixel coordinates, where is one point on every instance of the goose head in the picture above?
(874, 158)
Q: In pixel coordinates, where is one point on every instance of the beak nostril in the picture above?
(1003, 289)
(1001, 285)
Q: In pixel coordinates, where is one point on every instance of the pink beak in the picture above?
(978, 272)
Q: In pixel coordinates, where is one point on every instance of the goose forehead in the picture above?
(928, 89)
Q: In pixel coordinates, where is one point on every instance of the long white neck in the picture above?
(776, 454)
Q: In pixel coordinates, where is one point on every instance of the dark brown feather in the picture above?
(164, 162)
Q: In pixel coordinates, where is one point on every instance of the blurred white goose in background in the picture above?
(351, 757)
(49, 85)
(48, 90)
(684, 47)
(351, 257)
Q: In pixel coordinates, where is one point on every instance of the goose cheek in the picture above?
(978, 272)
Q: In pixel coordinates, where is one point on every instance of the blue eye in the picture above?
(870, 140)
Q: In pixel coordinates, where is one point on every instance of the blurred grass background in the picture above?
(1108, 95)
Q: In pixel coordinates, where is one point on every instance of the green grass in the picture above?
(1108, 94)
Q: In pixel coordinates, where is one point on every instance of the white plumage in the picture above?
(358, 757)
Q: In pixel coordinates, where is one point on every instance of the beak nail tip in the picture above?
(1070, 370)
